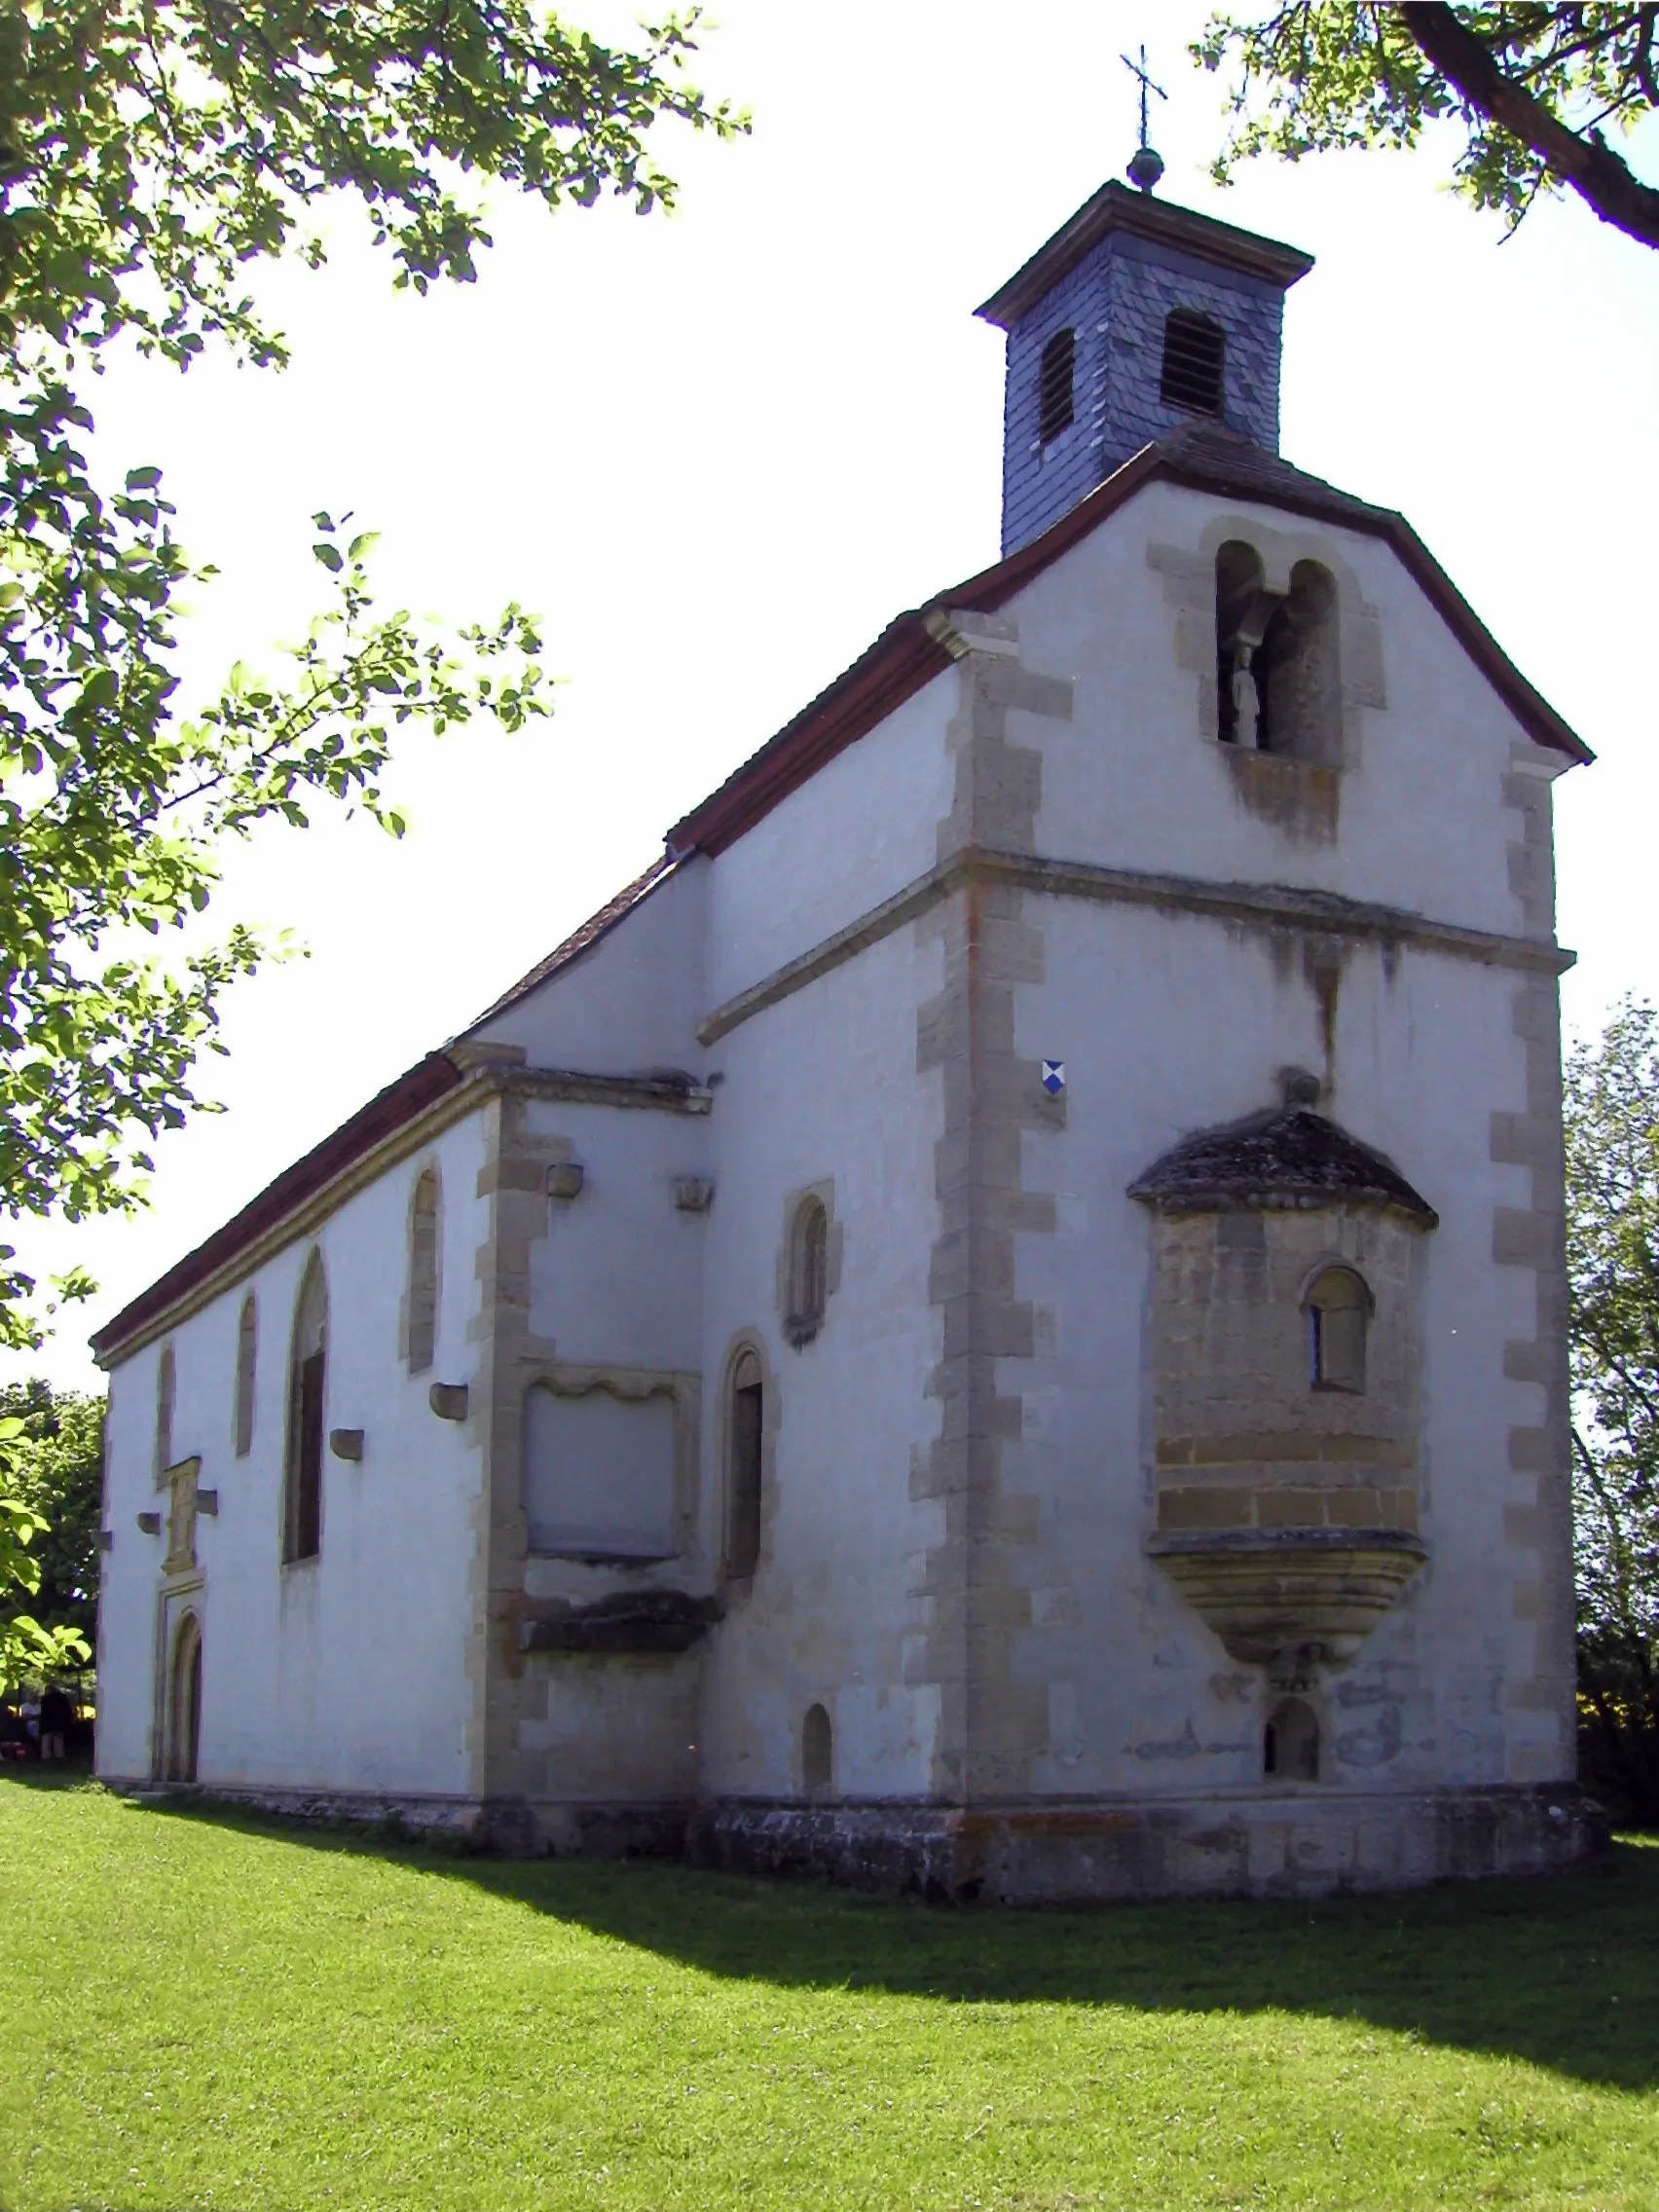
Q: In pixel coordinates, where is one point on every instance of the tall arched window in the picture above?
(308, 1377)
(426, 1213)
(247, 1353)
(1056, 381)
(745, 1427)
(1338, 1307)
(809, 1271)
(167, 1386)
(1194, 375)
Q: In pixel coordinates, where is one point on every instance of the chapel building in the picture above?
(996, 1322)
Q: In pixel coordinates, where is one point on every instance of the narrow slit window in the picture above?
(1339, 1313)
(425, 1215)
(746, 1425)
(301, 1519)
(1194, 363)
(816, 1752)
(1056, 405)
(247, 1353)
(166, 1386)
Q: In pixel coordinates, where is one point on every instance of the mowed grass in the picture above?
(199, 2010)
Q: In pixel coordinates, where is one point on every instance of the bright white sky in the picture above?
(718, 452)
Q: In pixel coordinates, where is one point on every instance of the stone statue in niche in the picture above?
(1246, 705)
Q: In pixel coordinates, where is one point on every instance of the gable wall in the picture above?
(1421, 816)
(1169, 1023)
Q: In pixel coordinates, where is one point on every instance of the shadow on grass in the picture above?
(1561, 1971)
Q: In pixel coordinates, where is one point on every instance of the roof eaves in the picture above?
(416, 1089)
(1114, 207)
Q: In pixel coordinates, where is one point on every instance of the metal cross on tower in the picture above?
(1147, 165)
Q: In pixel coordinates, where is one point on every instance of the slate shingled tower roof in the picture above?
(1112, 277)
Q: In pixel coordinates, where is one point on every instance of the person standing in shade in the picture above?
(57, 1714)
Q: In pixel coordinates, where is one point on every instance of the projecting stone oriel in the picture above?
(1135, 316)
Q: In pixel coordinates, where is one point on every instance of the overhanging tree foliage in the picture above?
(1613, 1197)
(151, 151)
(1539, 91)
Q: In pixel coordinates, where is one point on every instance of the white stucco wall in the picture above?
(632, 1000)
(349, 1673)
(1128, 783)
(863, 828)
(824, 1088)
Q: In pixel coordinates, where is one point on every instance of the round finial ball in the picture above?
(1145, 167)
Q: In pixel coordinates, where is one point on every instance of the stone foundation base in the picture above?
(1303, 1844)
(1307, 1842)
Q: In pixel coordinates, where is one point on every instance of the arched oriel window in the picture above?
(426, 1213)
(809, 1271)
(745, 1427)
(247, 1353)
(1055, 386)
(1194, 375)
(308, 1375)
(1338, 1307)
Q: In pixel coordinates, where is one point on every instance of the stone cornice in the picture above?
(1275, 907)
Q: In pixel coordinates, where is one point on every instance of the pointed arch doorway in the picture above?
(184, 1700)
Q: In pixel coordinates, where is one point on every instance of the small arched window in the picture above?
(809, 1271)
(1338, 1307)
(1194, 375)
(308, 1377)
(1056, 404)
(247, 1353)
(816, 1752)
(426, 1213)
(745, 1428)
(167, 1386)
(1290, 1742)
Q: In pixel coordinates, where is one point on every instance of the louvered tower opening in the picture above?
(1054, 405)
(1194, 363)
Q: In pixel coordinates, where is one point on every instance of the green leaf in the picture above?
(330, 556)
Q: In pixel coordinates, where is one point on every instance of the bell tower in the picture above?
(1135, 317)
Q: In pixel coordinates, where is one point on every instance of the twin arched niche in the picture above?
(1278, 662)
(1285, 1353)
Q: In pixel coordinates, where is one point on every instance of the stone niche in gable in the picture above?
(1284, 1356)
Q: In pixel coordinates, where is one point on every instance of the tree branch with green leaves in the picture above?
(1539, 91)
(1612, 1204)
(152, 154)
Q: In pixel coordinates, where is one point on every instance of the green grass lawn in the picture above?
(202, 2011)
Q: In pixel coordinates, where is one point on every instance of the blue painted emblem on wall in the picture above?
(1054, 1077)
